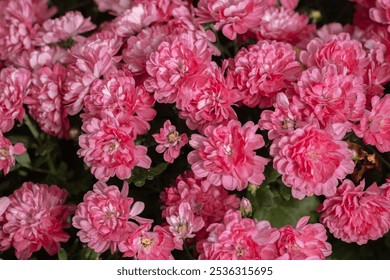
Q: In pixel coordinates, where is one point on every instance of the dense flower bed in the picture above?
(210, 129)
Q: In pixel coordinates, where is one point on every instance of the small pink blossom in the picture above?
(356, 215)
(207, 201)
(304, 242)
(144, 244)
(45, 101)
(35, 218)
(311, 161)
(226, 155)
(262, 70)
(374, 127)
(237, 238)
(13, 86)
(109, 149)
(170, 141)
(332, 96)
(381, 13)
(232, 16)
(115, 7)
(104, 217)
(176, 66)
(7, 152)
(183, 223)
(66, 27)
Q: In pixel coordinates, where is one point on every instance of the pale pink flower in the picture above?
(262, 70)
(311, 161)
(114, 7)
(107, 217)
(7, 152)
(91, 59)
(304, 242)
(45, 101)
(340, 50)
(356, 215)
(374, 127)
(109, 149)
(13, 86)
(69, 26)
(207, 201)
(46, 56)
(237, 238)
(118, 96)
(226, 155)
(332, 96)
(282, 24)
(35, 218)
(176, 66)
(183, 223)
(210, 103)
(170, 141)
(144, 244)
(381, 12)
(4, 203)
(232, 16)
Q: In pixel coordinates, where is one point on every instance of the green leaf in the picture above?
(62, 255)
(140, 175)
(285, 192)
(284, 212)
(24, 160)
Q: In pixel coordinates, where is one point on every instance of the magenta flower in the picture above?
(109, 149)
(45, 101)
(237, 238)
(183, 223)
(356, 215)
(35, 218)
(103, 217)
(149, 245)
(13, 86)
(304, 242)
(226, 155)
(7, 152)
(381, 13)
(311, 161)
(263, 70)
(170, 141)
(374, 127)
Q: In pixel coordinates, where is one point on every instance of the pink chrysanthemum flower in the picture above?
(232, 16)
(170, 141)
(279, 23)
(374, 127)
(35, 218)
(176, 66)
(183, 223)
(381, 13)
(263, 70)
(114, 7)
(385, 188)
(210, 103)
(66, 27)
(149, 245)
(311, 161)
(91, 59)
(13, 86)
(226, 155)
(109, 149)
(332, 96)
(340, 50)
(118, 96)
(104, 217)
(45, 101)
(304, 242)
(356, 215)
(7, 152)
(237, 238)
(207, 201)
(285, 118)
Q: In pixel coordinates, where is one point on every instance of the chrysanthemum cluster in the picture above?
(249, 95)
